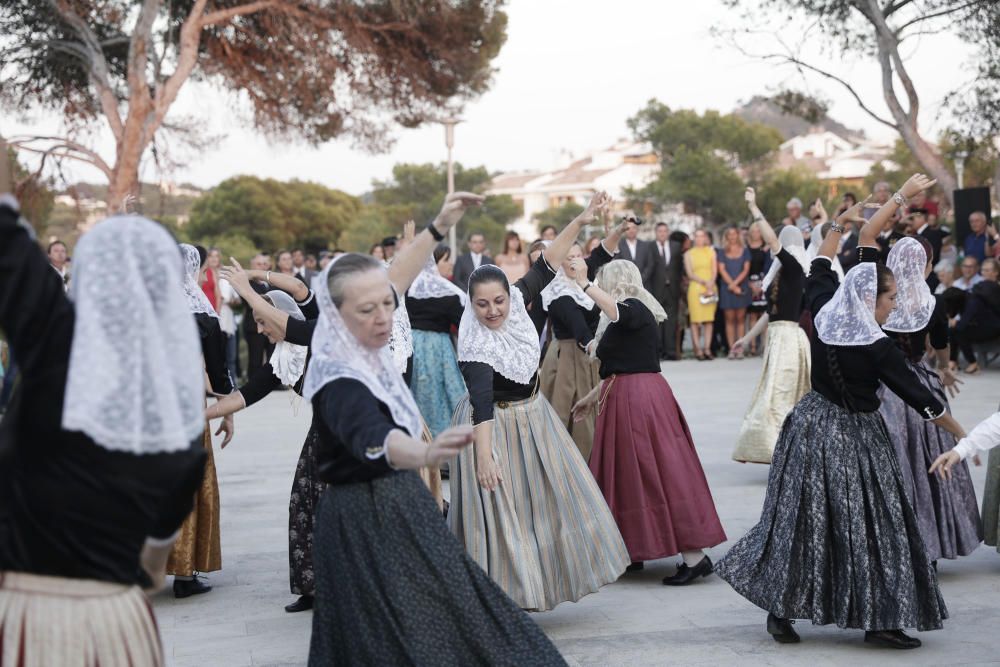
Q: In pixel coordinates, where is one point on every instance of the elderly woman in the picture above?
(392, 585)
(524, 503)
(644, 457)
(93, 487)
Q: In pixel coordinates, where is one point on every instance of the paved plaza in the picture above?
(635, 621)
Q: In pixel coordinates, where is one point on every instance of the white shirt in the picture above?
(632, 246)
(664, 251)
(963, 284)
(984, 437)
(477, 259)
(227, 320)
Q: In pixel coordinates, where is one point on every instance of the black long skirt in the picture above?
(837, 540)
(307, 489)
(394, 587)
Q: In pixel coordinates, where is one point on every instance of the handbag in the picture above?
(706, 299)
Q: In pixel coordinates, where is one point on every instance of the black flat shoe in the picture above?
(635, 567)
(185, 588)
(685, 575)
(782, 631)
(304, 603)
(892, 639)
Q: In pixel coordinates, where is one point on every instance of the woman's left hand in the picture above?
(228, 426)
(236, 276)
(950, 381)
(582, 409)
(944, 463)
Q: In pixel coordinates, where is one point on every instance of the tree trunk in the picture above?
(931, 161)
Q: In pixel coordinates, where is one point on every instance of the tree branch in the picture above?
(888, 46)
(223, 15)
(936, 15)
(62, 147)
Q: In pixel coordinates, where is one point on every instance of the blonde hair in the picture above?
(621, 279)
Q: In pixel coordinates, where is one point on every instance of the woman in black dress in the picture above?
(837, 541)
(393, 586)
(760, 262)
(100, 449)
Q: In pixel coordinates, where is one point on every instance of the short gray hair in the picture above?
(794, 201)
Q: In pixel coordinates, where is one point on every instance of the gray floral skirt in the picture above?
(307, 489)
(837, 540)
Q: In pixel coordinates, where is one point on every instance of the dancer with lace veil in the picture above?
(569, 371)
(784, 378)
(392, 584)
(198, 548)
(837, 541)
(101, 446)
(523, 502)
(644, 458)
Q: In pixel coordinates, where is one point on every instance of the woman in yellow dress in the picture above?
(701, 267)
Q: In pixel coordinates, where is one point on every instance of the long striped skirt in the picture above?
(545, 535)
(437, 383)
(59, 622)
(784, 380)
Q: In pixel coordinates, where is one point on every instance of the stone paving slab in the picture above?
(635, 621)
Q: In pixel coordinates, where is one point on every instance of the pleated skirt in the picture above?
(991, 501)
(645, 462)
(545, 535)
(199, 544)
(947, 511)
(568, 374)
(837, 540)
(307, 489)
(58, 622)
(395, 588)
(784, 380)
(437, 383)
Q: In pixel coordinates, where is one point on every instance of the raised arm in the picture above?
(556, 252)
(766, 231)
(410, 260)
(240, 280)
(603, 300)
(869, 233)
(831, 243)
(286, 283)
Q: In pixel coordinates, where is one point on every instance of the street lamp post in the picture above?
(960, 167)
(449, 140)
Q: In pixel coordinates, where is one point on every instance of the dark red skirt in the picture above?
(645, 463)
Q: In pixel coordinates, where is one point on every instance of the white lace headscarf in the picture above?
(336, 354)
(288, 360)
(815, 241)
(196, 299)
(849, 317)
(429, 284)
(135, 381)
(621, 279)
(401, 338)
(512, 349)
(562, 285)
(791, 240)
(914, 302)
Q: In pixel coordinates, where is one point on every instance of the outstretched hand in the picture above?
(228, 426)
(944, 463)
(853, 214)
(448, 444)
(597, 206)
(454, 208)
(750, 197)
(951, 382)
(582, 409)
(916, 184)
(237, 277)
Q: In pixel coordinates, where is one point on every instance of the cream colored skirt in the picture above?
(784, 380)
(60, 622)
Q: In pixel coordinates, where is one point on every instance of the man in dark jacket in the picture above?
(668, 266)
(469, 262)
(637, 251)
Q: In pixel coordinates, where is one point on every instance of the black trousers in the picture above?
(667, 339)
(962, 340)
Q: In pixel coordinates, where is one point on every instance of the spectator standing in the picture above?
(58, 260)
(300, 265)
(637, 251)
(548, 233)
(795, 217)
(920, 225)
(734, 294)
(389, 248)
(667, 274)
(591, 245)
(701, 266)
(990, 270)
(970, 274)
(513, 260)
(982, 236)
(283, 258)
(227, 322)
(945, 272)
(472, 260)
(210, 277)
(377, 252)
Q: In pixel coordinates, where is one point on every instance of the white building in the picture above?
(840, 162)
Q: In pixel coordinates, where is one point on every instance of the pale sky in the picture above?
(569, 76)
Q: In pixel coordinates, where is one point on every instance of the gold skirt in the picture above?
(568, 374)
(199, 547)
(431, 476)
(784, 379)
(59, 622)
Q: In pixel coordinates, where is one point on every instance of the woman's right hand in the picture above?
(751, 199)
(737, 348)
(237, 277)
(448, 444)
(853, 214)
(582, 409)
(916, 184)
(488, 471)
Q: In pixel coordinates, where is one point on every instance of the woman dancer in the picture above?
(784, 379)
(435, 305)
(568, 371)
(92, 491)
(702, 270)
(513, 261)
(759, 264)
(523, 502)
(734, 268)
(393, 586)
(198, 548)
(644, 458)
(837, 541)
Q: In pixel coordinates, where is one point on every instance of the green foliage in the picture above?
(557, 216)
(273, 214)
(779, 185)
(416, 192)
(980, 165)
(702, 157)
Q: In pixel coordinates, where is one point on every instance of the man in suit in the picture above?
(469, 262)
(667, 273)
(302, 271)
(637, 251)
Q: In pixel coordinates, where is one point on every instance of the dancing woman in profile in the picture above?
(837, 540)
(392, 585)
(784, 378)
(523, 502)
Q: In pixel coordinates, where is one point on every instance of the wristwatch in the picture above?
(899, 199)
(587, 286)
(834, 227)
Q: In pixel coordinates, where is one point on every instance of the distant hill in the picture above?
(761, 110)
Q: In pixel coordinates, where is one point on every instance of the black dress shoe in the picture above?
(781, 629)
(892, 639)
(635, 567)
(185, 588)
(685, 575)
(304, 603)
